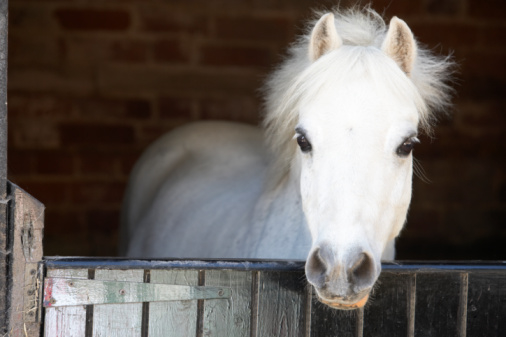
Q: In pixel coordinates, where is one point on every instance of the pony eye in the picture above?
(304, 144)
(407, 146)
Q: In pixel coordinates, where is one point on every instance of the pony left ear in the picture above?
(324, 37)
(400, 44)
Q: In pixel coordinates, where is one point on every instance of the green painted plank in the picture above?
(177, 318)
(66, 321)
(68, 292)
(232, 317)
(118, 320)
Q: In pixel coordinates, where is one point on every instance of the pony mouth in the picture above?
(345, 305)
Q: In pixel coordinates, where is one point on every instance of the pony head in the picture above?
(343, 115)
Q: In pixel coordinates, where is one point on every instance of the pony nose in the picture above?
(340, 277)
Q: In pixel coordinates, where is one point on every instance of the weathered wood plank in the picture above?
(486, 306)
(121, 320)
(173, 319)
(326, 321)
(71, 292)
(281, 304)
(66, 321)
(228, 317)
(389, 306)
(5, 323)
(27, 214)
(437, 304)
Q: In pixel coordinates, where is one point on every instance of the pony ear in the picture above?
(324, 37)
(400, 44)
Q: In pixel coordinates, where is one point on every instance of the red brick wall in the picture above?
(92, 83)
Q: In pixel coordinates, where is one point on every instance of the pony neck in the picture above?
(278, 214)
(283, 187)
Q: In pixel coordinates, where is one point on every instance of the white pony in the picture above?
(333, 185)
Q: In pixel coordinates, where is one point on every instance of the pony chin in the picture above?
(344, 305)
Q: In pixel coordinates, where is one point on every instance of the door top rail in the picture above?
(255, 265)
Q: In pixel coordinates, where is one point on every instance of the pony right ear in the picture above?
(324, 37)
(400, 44)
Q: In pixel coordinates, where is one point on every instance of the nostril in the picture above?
(316, 268)
(362, 271)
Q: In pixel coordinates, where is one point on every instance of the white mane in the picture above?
(297, 78)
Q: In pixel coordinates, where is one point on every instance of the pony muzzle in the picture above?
(341, 283)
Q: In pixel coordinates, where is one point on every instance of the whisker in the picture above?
(420, 172)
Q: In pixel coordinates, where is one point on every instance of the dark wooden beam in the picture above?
(4, 230)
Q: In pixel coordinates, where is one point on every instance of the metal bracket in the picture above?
(68, 292)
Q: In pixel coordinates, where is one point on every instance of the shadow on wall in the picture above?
(92, 84)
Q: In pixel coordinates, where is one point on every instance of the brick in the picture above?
(66, 222)
(483, 64)
(25, 106)
(220, 55)
(259, 29)
(150, 133)
(129, 51)
(445, 7)
(170, 50)
(31, 17)
(475, 224)
(237, 109)
(502, 192)
(104, 220)
(488, 116)
(50, 81)
(33, 134)
(93, 19)
(104, 244)
(448, 35)
(453, 145)
(459, 182)
(42, 50)
(97, 192)
(92, 164)
(488, 9)
(95, 134)
(402, 9)
(176, 108)
(163, 19)
(114, 109)
(55, 163)
(48, 192)
(73, 244)
(138, 108)
(483, 88)
(460, 37)
(20, 163)
(116, 79)
(422, 223)
(83, 54)
(127, 162)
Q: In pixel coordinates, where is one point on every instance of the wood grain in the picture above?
(66, 321)
(173, 319)
(281, 304)
(118, 320)
(228, 317)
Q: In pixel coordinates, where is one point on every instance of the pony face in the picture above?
(355, 158)
(356, 130)
(342, 116)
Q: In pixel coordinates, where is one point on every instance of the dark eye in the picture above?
(304, 144)
(407, 146)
